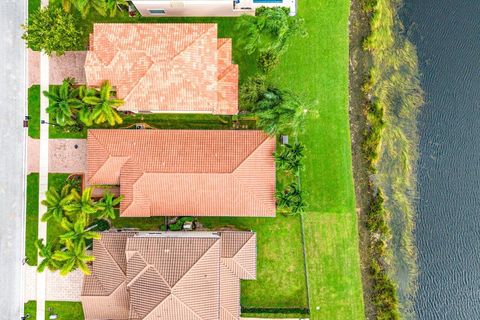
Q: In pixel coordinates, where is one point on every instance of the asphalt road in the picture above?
(12, 106)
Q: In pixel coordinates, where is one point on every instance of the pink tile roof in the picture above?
(174, 276)
(165, 67)
(185, 172)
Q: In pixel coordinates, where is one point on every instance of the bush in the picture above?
(51, 30)
(251, 91)
(268, 60)
(269, 29)
(178, 225)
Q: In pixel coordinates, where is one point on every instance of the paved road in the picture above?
(12, 107)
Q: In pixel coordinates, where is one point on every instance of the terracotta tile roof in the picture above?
(106, 286)
(168, 67)
(174, 276)
(185, 172)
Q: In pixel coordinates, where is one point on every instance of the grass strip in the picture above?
(31, 233)
(34, 111)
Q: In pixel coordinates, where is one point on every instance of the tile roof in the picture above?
(185, 172)
(173, 275)
(165, 67)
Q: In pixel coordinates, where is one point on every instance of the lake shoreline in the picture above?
(359, 66)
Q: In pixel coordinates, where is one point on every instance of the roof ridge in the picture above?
(250, 154)
(169, 60)
(100, 144)
(139, 191)
(196, 262)
(243, 246)
(186, 306)
(134, 279)
(227, 311)
(225, 72)
(138, 81)
(110, 255)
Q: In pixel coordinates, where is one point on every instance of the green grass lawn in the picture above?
(34, 111)
(164, 121)
(31, 233)
(280, 265)
(319, 66)
(33, 5)
(64, 310)
(148, 224)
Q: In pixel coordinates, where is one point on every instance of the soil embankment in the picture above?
(359, 68)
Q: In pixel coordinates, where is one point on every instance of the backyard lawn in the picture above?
(281, 281)
(64, 310)
(318, 66)
(32, 219)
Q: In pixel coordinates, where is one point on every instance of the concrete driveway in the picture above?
(12, 106)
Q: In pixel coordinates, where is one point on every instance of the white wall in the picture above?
(189, 8)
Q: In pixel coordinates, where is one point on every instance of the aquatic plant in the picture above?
(390, 147)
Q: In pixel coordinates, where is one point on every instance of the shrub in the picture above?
(251, 91)
(51, 30)
(268, 60)
(269, 29)
(178, 225)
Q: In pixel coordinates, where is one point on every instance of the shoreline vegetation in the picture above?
(392, 98)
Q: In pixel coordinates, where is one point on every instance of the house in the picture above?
(170, 67)
(207, 8)
(168, 275)
(185, 172)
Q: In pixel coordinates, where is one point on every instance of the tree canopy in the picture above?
(51, 30)
(270, 29)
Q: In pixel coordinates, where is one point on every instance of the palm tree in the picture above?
(76, 232)
(85, 112)
(56, 202)
(46, 252)
(114, 5)
(67, 5)
(72, 258)
(82, 206)
(291, 199)
(291, 156)
(279, 111)
(107, 206)
(104, 108)
(63, 103)
(269, 29)
(84, 6)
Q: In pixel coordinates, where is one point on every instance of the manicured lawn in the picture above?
(34, 111)
(64, 310)
(30, 308)
(164, 121)
(319, 67)
(31, 233)
(33, 5)
(333, 260)
(280, 268)
(148, 224)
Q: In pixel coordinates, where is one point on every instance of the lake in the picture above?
(447, 36)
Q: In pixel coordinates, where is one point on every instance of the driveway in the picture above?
(12, 106)
(65, 155)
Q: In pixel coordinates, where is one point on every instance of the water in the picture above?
(447, 36)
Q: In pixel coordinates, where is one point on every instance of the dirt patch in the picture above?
(359, 66)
